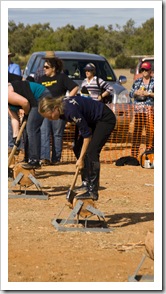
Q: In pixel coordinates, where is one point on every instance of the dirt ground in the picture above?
(39, 252)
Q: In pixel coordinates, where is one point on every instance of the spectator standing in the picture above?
(58, 83)
(95, 122)
(143, 93)
(25, 95)
(14, 69)
(94, 84)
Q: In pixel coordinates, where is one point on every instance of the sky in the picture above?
(88, 17)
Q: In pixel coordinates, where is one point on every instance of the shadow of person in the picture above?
(126, 219)
(51, 173)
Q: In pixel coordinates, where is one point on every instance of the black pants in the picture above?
(100, 134)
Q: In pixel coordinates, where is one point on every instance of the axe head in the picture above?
(10, 172)
(70, 195)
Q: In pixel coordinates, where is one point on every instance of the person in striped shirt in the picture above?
(97, 87)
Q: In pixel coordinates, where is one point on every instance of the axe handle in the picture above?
(75, 179)
(15, 147)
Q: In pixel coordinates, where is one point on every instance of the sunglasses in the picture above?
(144, 69)
(46, 66)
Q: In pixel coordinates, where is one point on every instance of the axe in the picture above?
(70, 193)
(17, 140)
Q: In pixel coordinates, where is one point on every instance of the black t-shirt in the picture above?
(58, 84)
(13, 77)
(23, 88)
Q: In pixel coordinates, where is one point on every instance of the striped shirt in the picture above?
(93, 87)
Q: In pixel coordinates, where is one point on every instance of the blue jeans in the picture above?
(56, 129)
(10, 133)
(32, 136)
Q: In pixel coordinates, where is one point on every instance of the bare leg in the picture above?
(14, 122)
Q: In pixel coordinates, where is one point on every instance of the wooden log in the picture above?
(149, 244)
(25, 181)
(84, 213)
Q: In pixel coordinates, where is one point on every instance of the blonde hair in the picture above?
(49, 103)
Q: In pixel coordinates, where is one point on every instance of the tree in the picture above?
(124, 41)
(142, 42)
(128, 28)
(22, 38)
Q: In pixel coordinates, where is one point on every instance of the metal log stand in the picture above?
(22, 177)
(141, 278)
(72, 224)
(39, 194)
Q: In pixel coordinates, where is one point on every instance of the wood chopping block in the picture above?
(25, 181)
(84, 213)
(149, 244)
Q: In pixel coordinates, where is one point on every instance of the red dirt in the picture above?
(38, 252)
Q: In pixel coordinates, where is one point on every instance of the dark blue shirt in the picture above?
(84, 112)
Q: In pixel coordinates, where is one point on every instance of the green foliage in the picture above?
(142, 42)
(129, 28)
(21, 38)
(123, 61)
(118, 44)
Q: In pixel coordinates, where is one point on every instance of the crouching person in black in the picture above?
(25, 95)
(95, 122)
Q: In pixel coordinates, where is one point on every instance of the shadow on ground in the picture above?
(126, 219)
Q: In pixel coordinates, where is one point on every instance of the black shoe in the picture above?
(45, 162)
(55, 162)
(87, 195)
(32, 164)
(82, 188)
